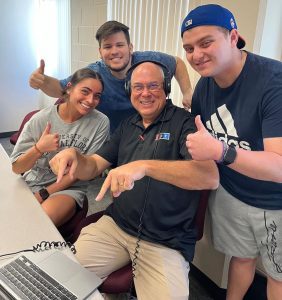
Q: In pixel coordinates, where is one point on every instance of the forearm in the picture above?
(51, 87)
(87, 167)
(260, 165)
(26, 161)
(192, 175)
(63, 184)
(182, 76)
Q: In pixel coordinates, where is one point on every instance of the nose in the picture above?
(146, 91)
(197, 54)
(114, 50)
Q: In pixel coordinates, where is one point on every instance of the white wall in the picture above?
(17, 61)
(86, 17)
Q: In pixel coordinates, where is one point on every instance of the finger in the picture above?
(72, 169)
(199, 124)
(64, 168)
(106, 185)
(42, 66)
(128, 184)
(47, 129)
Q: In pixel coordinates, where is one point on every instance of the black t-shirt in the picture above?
(242, 115)
(169, 211)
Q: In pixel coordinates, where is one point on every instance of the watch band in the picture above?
(229, 156)
(44, 194)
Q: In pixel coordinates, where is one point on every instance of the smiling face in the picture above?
(84, 96)
(209, 49)
(116, 53)
(148, 96)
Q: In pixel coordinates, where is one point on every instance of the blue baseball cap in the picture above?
(211, 14)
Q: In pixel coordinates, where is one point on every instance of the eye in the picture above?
(188, 49)
(138, 88)
(206, 44)
(153, 86)
(97, 96)
(85, 92)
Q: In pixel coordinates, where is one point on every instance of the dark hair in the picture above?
(109, 28)
(81, 74)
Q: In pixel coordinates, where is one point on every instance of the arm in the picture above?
(77, 165)
(261, 165)
(191, 175)
(57, 186)
(49, 85)
(48, 142)
(182, 77)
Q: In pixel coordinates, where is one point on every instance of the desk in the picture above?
(23, 223)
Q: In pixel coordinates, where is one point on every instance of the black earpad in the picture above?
(167, 79)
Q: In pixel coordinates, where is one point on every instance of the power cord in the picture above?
(140, 226)
(43, 246)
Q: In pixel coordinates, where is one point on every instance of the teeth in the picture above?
(84, 105)
(146, 102)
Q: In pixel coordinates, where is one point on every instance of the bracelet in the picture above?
(224, 150)
(36, 148)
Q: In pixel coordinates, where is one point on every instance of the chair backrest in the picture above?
(201, 212)
(14, 137)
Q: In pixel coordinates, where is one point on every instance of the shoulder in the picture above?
(97, 66)
(166, 59)
(43, 113)
(263, 64)
(99, 115)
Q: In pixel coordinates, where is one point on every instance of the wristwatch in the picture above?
(43, 194)
(229, 156)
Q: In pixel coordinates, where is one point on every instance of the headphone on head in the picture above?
(167, 78)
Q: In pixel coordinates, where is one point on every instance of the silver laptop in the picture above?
(46, 275)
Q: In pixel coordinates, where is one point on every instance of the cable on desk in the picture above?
(45, 245)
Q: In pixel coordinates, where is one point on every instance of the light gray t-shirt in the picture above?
(87, 135)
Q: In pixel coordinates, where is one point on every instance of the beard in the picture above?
(119, 69)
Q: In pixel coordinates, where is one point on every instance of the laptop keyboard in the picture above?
(32, 282)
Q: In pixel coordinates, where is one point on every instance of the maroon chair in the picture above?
(201, 212)
(120, 280)
(67, 229)
(14, 137)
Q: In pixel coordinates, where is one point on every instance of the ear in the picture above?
(130, 48)
(234, 36)
(100, 52)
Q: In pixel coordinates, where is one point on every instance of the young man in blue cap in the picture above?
(238, 106)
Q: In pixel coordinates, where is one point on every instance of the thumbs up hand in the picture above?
(48, 141)
(202, 145)
(37, 78)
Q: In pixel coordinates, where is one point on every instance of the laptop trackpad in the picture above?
(71, 274)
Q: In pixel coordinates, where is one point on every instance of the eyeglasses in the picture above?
(138, 88)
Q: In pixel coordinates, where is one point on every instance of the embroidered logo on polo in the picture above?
(221, 125)
(163, 136)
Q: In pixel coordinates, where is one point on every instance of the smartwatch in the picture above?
(229, 156)
(43, 194)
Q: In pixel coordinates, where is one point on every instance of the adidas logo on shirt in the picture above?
(221, 125)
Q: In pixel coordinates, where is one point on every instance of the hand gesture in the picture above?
(37, 78)
(201, 145)
(65, 162)
(48, 141)
(122, 179)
